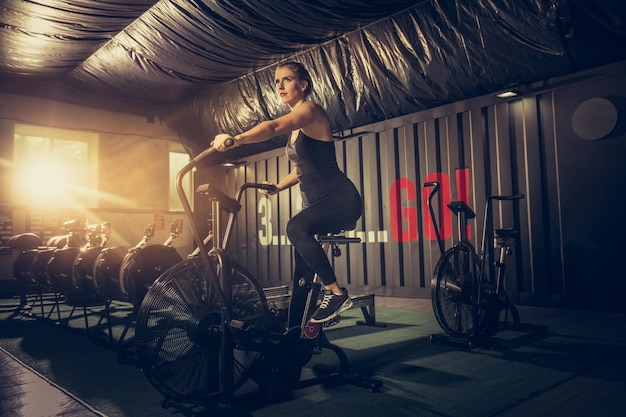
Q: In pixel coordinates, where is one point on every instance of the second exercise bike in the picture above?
(471, 304)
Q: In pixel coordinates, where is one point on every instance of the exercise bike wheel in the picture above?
(178, 336)
(453, 292)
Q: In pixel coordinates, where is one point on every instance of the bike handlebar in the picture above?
(432, 194)
(258, 185)
(506, 197)
(432, 184)
(267, 187)
(208, 151)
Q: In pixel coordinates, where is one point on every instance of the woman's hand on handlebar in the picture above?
(224, 141)
(270, 190)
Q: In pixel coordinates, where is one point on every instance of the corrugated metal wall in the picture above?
(389, 162)
(473, 149)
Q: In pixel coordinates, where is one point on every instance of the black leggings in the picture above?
(336, 212)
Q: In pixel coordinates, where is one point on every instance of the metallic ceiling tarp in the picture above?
(434, 53)
(206, 66)
(45, 39)
(139, 57)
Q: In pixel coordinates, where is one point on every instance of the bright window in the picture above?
(55, 167)
(178, 159)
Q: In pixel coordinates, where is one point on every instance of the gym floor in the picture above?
(597, 391)
(577, 368)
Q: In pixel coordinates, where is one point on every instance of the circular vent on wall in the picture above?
(594, 119)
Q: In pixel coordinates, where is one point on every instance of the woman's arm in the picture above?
(299, 117)
(289, 181)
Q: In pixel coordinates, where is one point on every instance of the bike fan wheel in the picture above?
(178, 336)
(454, 294)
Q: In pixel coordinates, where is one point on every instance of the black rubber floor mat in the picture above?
(26, 393)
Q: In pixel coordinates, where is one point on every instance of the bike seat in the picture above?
(345, 229)
(230, 205)
(337, 236)
(506, 233)
(461, 207)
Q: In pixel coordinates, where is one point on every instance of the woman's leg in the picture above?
(323, 217)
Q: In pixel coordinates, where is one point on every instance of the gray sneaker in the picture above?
(331, 306)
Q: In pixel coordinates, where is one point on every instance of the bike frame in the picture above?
(479, 276)
(223, 287)
(223, 283)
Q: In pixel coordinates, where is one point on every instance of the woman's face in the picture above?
(288, 88)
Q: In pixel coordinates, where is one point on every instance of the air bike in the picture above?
(204, 328)
(471, 305)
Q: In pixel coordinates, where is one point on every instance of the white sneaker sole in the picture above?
(345, 306)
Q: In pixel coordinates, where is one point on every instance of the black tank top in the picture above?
(316, 166)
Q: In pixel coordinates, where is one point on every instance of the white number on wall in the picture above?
(266, 232)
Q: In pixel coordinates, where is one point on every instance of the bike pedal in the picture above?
(311, 330)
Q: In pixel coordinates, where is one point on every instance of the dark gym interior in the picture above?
(498, 126)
